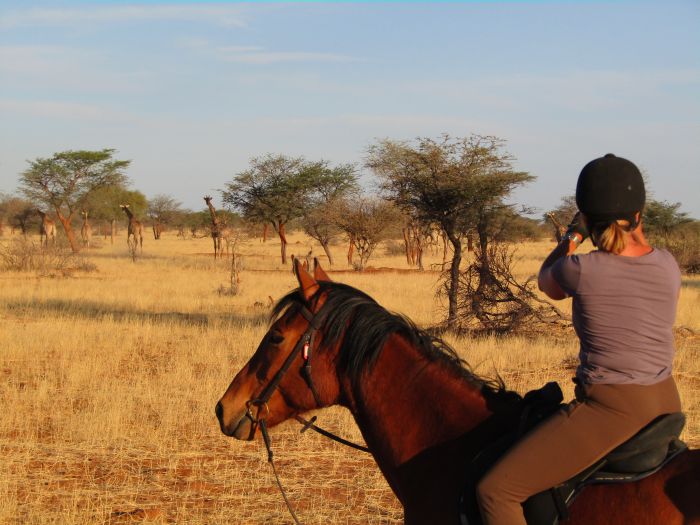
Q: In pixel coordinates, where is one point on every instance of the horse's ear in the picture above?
(319, 274)
(308, 284)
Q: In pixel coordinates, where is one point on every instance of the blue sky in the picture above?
(191, 91)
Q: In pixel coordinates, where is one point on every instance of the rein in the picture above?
(304, 345)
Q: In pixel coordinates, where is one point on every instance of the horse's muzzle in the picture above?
(239, 427)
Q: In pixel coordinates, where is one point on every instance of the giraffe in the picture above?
(47, 229)
(134, 235)
(221, 233)
(215, 228)
(86, 229)
(559, 228)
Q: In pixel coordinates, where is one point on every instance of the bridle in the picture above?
(304, 346)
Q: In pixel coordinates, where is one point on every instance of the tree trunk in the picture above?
(419, 254)
(283, 241)
(417, 247)
(326, 248)
(113, 230)
(264, 235)
(444, 251)
(453, 291)
(484, 263)
(484, 266)
(351, 251)
(407, 245)
(65, 221)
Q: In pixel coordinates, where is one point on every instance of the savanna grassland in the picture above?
(108, 381)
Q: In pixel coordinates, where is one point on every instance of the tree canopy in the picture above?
(277, 189)
(661, 217)
(329, 187)
(460, 184)
(66, 181)
(366, 221)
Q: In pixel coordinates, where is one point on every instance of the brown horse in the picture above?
(423, 414)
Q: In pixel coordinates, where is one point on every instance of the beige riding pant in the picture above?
(585, 430)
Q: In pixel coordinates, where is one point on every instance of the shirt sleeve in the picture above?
(567, 273)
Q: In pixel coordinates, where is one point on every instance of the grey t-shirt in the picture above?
(623, 313)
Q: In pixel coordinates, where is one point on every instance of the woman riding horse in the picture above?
(624, 305)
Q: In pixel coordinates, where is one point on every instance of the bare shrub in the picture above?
(492, 300)
(232, 242)
(394, 247)
(23, 255)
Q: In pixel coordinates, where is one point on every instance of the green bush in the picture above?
(684, 243)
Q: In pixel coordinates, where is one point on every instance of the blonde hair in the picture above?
(611, 237)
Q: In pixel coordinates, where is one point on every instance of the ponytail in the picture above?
(610, 237)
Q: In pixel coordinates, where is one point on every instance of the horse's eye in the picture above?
(276, 337)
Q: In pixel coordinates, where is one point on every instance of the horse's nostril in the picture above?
(219, 410)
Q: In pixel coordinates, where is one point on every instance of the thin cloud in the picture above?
(61, 68)
(30, 59)
(60, 110)
(219, 15)
(253, 54)
(274, 57)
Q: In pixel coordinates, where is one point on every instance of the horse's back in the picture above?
(671, 496)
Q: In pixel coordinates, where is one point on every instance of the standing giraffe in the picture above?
(86, 230)
(221, 234)
(47, 229)
(215, 228)
(559, 228)
(134, 235)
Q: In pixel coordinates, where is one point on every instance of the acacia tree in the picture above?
(366, 221)
(328, 187)
(274, 190)
(661, 217)
(16, 213)
(163, 210)
(459, 184)
(66, 181)
(104, 203)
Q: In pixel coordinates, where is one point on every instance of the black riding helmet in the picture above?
(610, 188)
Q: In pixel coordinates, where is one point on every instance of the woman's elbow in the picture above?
(547, 284)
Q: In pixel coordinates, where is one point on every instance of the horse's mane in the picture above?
(364, 326)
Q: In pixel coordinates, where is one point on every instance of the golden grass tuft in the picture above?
(109, 381)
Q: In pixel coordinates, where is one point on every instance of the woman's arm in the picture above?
(545, 279)
(575, 235)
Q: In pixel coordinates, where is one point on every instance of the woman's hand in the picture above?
(577, 227)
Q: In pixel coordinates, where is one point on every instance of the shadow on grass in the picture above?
(99, 311)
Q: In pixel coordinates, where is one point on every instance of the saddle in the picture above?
(642, 455)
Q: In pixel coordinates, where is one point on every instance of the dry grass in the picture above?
(109, 379)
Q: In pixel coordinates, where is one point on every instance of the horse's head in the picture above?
(277, 382)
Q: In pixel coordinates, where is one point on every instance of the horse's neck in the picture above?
(428, 400)
(414, 414)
